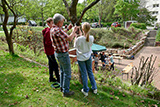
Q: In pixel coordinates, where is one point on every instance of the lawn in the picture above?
(25, 84)
(38, 28)
(1, 28)
(2, 34)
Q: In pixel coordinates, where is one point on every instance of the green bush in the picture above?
(117, 45)
(121, 31)
(40, 23)
(27, 36)
(108, 24)
(19, 23)
(114, 38)
(139, 25)
(158, 36)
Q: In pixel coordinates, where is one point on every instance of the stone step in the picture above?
(150, 42)
(151, 38)
(152, 33)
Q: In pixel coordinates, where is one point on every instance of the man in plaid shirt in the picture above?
(61, 40)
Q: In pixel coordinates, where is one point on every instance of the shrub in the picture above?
(139, 25)
(108, 24)
(98, 33)
(28, 37)
(19, 23)
(121, 31)
(158, 36)
(40, 23)
(113, 38)
(117, 45)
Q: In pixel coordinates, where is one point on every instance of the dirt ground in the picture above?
(146, 52)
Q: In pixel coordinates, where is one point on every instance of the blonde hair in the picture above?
(86, 28)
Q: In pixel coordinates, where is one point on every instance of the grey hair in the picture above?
(58, 17)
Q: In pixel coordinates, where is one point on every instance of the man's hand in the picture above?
(69, 26)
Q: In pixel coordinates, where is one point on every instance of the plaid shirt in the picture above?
(58, 38)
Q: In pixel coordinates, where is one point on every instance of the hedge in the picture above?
(158, 36)
(106, 24)
(139, 25)
(40, 23)
(19, 23)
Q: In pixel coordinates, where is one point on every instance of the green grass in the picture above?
(38, 28)
(1, 28)
(2, 34)
(19, 78)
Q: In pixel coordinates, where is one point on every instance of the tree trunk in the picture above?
(10, 44)
(6, 16)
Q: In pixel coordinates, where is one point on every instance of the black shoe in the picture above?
(68, 94)
(52, 80)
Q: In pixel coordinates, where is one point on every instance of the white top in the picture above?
(83, 48)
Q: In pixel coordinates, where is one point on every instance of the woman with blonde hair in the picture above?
(83, 50)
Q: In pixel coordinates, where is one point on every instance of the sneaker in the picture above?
(95, 91)
(68, 94)
(85, 93)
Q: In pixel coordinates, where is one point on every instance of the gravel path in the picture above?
(146, 52)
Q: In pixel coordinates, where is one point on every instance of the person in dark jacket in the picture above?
(102, 58)
(49, 50)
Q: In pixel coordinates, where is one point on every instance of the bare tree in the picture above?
(145, 72)
(72, 10)
(6, 7)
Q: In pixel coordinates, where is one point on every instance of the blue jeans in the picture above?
(65, 70)
(86, 68)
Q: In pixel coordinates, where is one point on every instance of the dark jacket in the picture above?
(48, 48)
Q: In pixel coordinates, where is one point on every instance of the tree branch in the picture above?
(85, 9)
(67, 7)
